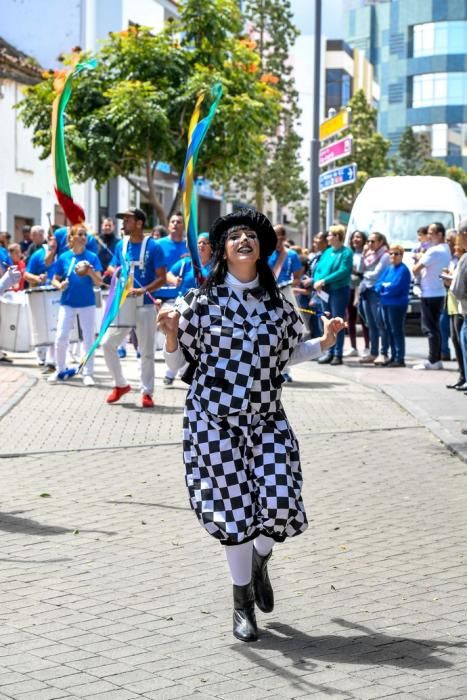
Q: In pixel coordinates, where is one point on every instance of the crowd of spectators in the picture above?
(371, 282)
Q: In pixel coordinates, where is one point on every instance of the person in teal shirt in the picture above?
(331, 279)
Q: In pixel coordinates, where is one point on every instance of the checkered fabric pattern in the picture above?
(239, 357)
(241, 456)
(243, 474)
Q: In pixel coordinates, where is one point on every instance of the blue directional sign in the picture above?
(338, 177)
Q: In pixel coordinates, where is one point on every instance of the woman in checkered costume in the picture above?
(241, 456)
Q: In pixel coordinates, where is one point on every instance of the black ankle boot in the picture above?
(244, 620)
(264, 595)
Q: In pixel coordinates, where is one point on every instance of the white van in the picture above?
(397, 206)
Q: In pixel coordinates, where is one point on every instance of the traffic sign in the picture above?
(336, 150)
(334, 124)
(338, 177)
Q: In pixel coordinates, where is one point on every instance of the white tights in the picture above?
(239, 558)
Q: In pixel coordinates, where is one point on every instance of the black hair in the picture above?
(423, 230)
(363, 235)
(219, 270)
(439, 227)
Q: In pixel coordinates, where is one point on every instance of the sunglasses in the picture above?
(395, 253)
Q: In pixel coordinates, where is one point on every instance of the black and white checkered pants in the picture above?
(243, 474)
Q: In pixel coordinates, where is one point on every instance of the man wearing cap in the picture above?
(146, 261)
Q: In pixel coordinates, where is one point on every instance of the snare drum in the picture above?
(43, 306)
(126, 317)
(15, 333)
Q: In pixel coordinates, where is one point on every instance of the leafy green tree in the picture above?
(435, 166)
(279, 171)
(412, 152)
(134, 108)
(370, 149)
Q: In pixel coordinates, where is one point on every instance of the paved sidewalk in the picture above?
(109, 589)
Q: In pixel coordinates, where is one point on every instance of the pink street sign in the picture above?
(336, 150)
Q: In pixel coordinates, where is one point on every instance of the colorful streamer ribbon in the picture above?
(63, 88)
(196, 134)
(120, 285)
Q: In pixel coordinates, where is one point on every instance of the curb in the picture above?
(430, 423)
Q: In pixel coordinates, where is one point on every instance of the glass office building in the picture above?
(419, 51)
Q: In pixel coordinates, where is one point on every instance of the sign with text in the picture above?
(334, 125)
(338, 177)
(336, 150)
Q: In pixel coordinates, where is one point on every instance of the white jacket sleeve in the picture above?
(174, 360)
(306, 350)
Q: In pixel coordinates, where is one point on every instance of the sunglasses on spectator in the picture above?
(394, 253)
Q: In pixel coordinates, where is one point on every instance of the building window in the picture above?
(439, 38)
(338, 88)
(433, 89)
(445, 139)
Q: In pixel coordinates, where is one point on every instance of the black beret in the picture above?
(250, 218)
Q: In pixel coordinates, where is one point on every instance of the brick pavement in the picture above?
(110, 589)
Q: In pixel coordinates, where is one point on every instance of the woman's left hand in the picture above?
(331, 326)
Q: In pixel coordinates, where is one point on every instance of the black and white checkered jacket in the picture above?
(238, 357)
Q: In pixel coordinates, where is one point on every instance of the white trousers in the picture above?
(66, 319)
(145, 325)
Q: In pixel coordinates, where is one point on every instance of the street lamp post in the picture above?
(314, 205)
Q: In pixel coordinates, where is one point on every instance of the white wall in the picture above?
(21, 171)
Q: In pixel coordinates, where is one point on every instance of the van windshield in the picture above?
(399, 226)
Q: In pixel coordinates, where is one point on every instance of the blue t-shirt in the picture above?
(184, 269)
(36, 264)
(173, 252)
(5, 260)
(61, 235)
(80, 290)
(291, 264)
(153, 260)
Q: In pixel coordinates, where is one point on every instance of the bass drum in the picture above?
(43, 306)
(15, 335)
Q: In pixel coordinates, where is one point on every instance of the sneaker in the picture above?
(365, 352)
(367, 359)
(381, 360)
(40, 363)
(4, 357)
(88, 380)
(138, 355)
(168, 381)
(353, 352)
(117, 393)
(121, 352)
(54, 378)
(147, 402)
(426, 364)
(48, 369)
(446, 357)
(287, 377)
(395, 363)
(336, 361)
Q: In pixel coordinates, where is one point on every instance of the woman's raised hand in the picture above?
(331, 327)
(167, 321)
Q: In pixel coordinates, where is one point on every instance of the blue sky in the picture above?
(332, 17)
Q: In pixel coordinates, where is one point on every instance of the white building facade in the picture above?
(26, 183)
